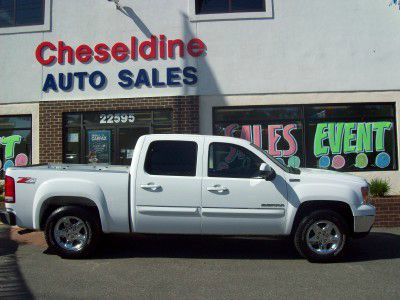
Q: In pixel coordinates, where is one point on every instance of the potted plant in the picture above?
(379, 187)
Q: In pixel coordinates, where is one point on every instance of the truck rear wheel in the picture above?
(321, 236)
(72, 232)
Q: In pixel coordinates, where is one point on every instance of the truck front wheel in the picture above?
(72, 232)
(321, 236)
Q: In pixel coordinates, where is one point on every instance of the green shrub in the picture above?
(379, 187)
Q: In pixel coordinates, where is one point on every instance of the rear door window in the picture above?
(173, 158)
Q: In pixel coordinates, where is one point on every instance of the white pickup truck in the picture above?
(189, 184)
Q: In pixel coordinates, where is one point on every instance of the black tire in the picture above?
(300, 237)
(92, 229)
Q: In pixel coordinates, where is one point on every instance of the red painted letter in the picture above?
(287, 135)
(152, 45)
(133, 48)
(273, 139)
(102, 52)
(64, 48)
(171, 48)
(83, 53)
(39, 53)
(196, 47)
(119, 51)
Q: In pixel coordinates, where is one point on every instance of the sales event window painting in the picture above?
(266, 128)
(358, 137)
(15, 141)
(354, 137)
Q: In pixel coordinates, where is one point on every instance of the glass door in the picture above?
(127, 138)
(99, 146)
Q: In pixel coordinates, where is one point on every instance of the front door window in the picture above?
(232, 161)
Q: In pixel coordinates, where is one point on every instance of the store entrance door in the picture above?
(127, 138)
(112, 145)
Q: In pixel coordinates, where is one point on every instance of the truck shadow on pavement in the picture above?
(12, 283)
(376, 246)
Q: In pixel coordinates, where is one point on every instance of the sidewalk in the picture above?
(12, 283)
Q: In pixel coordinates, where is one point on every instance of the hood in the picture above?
(322, 175)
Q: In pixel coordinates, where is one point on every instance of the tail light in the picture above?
(365, 192)
(9, 189)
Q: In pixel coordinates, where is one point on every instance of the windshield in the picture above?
(276, 161)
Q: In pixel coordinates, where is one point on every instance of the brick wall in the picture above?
(185, 114)
(387, 211)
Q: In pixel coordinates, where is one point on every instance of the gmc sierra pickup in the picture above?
(189, 184)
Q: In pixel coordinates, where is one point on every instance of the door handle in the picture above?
(217, 188)
(150, 186)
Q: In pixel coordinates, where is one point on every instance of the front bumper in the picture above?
(364, 218)
(7, 218)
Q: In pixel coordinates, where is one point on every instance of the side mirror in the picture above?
(267, 172)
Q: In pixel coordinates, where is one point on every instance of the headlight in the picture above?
(365, 192)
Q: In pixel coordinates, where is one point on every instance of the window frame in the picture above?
(46, 26)
(172, 175)
(268, 13)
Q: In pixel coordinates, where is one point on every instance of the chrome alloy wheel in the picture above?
(71, 233)
(324, 237)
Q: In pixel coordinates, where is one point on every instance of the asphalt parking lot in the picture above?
(160, 267)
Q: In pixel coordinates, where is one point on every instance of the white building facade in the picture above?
(314, 83)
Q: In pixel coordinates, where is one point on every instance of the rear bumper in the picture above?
(7, 218)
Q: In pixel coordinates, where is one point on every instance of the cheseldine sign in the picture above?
(156, 48)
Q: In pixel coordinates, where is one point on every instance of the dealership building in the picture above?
(314, 83)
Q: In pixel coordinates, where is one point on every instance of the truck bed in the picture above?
(79, 167)
(106, 186)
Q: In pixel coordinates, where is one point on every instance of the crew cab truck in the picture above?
(189, 184)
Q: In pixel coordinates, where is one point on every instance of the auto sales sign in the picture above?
(155, 48)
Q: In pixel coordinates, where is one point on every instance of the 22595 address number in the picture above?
(117, 118)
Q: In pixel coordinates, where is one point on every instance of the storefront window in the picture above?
(279, 130)
(349, 137)
(358, 137)
(109, 137)
(15, 141)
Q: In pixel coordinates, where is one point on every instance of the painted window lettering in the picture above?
(338, 139)
(11, 158)
(15, 141)
(281, 140)
(312, 136)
